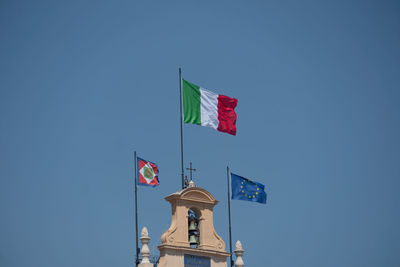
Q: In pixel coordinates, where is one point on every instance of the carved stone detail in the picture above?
(239, 253)
(145, 239)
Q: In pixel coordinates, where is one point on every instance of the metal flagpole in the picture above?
(180, 101)
(229, 214)
(136, 214)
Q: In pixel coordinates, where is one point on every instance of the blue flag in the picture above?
(244, 189)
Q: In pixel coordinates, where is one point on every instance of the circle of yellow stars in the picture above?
(250, 196)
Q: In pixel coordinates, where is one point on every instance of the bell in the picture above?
(192, 226)
(193, 239)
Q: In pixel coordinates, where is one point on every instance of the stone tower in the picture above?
(178, 248)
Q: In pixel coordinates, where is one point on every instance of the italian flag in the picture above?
(206, 108)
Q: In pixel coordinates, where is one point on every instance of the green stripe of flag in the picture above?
(191, 103)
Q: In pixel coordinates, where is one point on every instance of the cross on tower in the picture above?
(190, 169)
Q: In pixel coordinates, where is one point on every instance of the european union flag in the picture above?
(244, 189)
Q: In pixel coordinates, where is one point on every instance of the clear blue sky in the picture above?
(85, 83)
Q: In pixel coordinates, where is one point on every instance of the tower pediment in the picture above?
(195, 194)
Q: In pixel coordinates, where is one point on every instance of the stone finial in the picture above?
(238, 245)
(191, 184)
(144, 238)
(238, 253)
(144, 232)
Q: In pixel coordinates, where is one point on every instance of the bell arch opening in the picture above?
(193, 227)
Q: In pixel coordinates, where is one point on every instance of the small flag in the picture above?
(206, 108)
(244, 189)
(147, 173)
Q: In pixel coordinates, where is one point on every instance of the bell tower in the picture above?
(191, 240)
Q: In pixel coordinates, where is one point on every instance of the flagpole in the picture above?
(181, 122)
(229, 214)
(136, 215)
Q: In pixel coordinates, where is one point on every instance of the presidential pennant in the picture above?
(147, 173)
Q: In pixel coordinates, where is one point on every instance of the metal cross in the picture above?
(190, 169)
